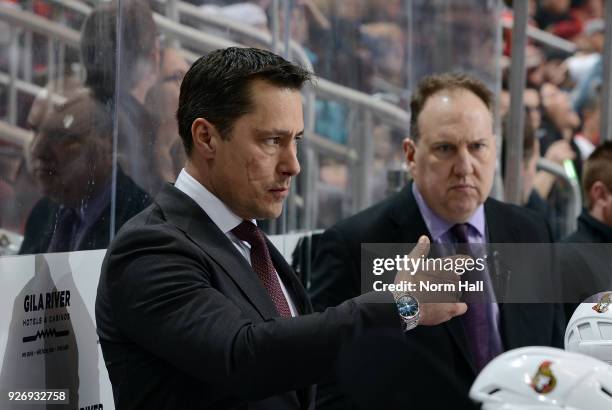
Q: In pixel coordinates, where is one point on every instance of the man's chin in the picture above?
(270, 212)
(460, 211)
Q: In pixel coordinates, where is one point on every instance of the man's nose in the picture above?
(463, 162)
(289, 164)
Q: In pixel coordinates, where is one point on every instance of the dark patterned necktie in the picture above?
(262, 264)
(483, 337)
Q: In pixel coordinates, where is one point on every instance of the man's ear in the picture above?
(204, 136)
(409, 150)
(597, 192)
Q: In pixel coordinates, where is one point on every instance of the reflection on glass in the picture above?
(71, 161)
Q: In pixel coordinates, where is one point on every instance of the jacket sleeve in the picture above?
(335, 273)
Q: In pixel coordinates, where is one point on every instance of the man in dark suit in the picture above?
(71, 160)
(195, 307)
(451, 156)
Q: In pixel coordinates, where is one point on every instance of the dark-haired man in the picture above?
(195, 308)
(451, 155)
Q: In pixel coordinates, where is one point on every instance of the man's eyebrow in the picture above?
(277, 131)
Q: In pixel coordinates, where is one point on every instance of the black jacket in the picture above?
(586, 261)
(41, 222)
(185, 323)
(336, 277)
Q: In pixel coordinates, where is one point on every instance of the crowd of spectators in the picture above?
(562, 97)
(361, 44)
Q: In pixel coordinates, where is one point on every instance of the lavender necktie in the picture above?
(483, 337)
(262, 264)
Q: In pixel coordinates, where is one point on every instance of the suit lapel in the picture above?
(180, 210)
(499, 229)
(412, 226)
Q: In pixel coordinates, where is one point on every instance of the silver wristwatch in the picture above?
(409, 310)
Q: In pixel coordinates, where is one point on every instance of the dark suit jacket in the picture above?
(185, 323)
(586, 261)
(336, 277)
(41, 223)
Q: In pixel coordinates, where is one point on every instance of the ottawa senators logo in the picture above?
(603, 304)
(544, 380)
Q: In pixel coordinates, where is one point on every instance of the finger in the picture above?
(459, 309)
(421, 249)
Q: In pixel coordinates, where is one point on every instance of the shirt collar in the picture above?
(219, 213)
(438, 226)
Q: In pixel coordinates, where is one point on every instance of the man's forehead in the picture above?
(454, 98)
(450, 105)
(73, 121)
(455, 116)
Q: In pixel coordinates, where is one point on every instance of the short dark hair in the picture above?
(99, 44)
(598, 167)
(433, 84)
(217, 87)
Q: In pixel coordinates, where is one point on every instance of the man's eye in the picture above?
(444, 148)
(272, 141)
(477, 146)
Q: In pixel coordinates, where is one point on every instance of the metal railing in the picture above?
(367, 106)
(15, 135)
(544, 37)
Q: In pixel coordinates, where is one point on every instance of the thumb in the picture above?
(421, 249)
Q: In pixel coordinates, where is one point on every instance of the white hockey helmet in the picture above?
(590, 329)
(543, 378)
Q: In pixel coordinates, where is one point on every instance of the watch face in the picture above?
(408, 306)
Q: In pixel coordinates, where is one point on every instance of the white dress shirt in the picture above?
(224, 218)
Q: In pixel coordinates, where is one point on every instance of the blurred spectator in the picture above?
(343, 60)
(162, 101)
(588, 137)
(531, 99)
(559, 119)
(138, 65)
(330, 115)
(531, 153)
(585, 266)
(173, 66)
(19, 193)
(557, 144)
(71, 159)
(581, 64)
(565, 18)
(588, 82)
(535, 68)
(385, 45)
(595, 222)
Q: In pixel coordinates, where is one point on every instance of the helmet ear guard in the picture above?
(543, 378)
